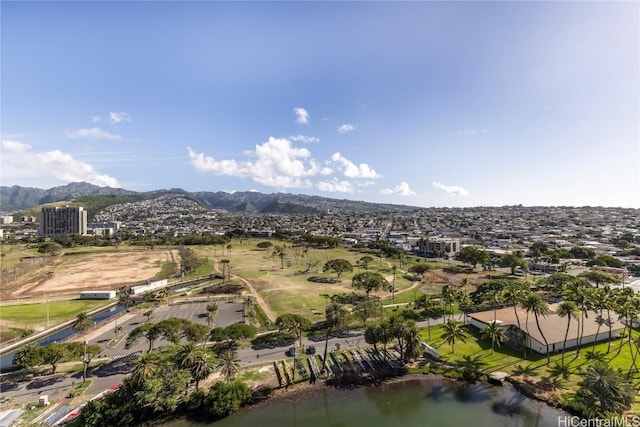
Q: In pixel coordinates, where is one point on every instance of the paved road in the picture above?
(58, 386)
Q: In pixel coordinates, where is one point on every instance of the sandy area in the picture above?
(73, 273)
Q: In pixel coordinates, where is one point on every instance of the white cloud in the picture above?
(302, 115)
(19, 162)
(304, 138)
(351, 170)
(402, 189)
(335, 186)
(15, 146)
(96, 119)
(452, 189)
(95, 133)
(346, 128)
(119, 117)
(277, 164)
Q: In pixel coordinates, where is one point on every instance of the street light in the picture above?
(85, 362)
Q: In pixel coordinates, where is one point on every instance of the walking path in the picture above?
(261, 302)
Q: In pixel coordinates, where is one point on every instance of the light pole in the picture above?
(85, 362)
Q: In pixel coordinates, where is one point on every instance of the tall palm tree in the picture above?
(579, 291)
(567, 309)
(513, 295)
(495, 334)
(453, 331)
(430, 309)
(335, 318)
(229, 364)
(82, 322)
(535, 304)
(448, 296)
(385, 334)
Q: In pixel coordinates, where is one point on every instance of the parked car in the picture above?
(291, 352)
(311, 349)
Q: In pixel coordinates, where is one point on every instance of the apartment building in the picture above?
(57, 221)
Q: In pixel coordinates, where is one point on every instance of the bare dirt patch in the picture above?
(71, 274)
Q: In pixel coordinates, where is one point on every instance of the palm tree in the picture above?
(335, 318)
(202, 367)
(578, 291)
(567, 309)
(146, 366)
(448, 295)
(229, 249)
(229, 364)
(604, 391)
(385, 334)
(296, 325)
(187, 355)
(412, 347)
(212, 310)
(82, 322)
(453, 331)
(124, 300)
(494, 333)
(513, 295)
(539, 307)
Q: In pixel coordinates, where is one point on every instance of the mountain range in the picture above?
(17, 198)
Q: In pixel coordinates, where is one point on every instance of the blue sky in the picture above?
(417, 103)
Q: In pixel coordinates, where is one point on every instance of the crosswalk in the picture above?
(125, 356)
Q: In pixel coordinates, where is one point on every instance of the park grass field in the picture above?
(476, 352)
(36, 314)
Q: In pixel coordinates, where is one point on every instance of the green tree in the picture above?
(365, 309)
(513, 261)
(124, 300)
(28, 356)
(82, 322)
(365, 261)
(598, 277)
(419, 270)
(604, 391)
(228, 364)
(226, 268)
(495, 334)
(338, 266)
(535, 304)
(567, 309)
(150, 332)
(335, 319)
(473, 256)
(225, 399)
(454, 331)
(212, 311)
(369, 281)
(293, 323)
(53, 353)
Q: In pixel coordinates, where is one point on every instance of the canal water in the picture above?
(6, 361)
(414, 402)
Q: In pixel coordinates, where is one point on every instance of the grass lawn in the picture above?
(477, 352)
(59, 311)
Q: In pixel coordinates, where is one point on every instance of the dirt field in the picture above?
(70, 274)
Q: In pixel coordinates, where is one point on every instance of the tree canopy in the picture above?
(369, 281)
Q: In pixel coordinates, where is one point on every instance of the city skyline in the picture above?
(421, 104)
